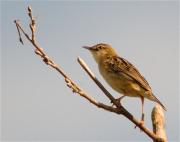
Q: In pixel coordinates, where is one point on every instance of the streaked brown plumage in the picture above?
(121, 75)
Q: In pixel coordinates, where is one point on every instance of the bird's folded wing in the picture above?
(121, 65)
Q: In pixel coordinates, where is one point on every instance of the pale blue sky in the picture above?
(36, 104)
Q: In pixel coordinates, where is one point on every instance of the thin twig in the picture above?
(119, 109)
(19, 33)
(98, 83)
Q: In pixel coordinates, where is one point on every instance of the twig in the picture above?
(86, 68)
(19, 33)
(119, 109)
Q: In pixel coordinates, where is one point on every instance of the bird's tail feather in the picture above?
(156, 100)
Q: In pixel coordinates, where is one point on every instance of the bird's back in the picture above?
(122, 76)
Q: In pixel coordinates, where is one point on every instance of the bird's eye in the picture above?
(100, 47)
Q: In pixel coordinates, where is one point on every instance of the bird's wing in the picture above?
(121, 65)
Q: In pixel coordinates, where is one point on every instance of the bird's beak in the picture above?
(87, 47)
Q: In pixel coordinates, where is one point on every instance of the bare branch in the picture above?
(32, 24)
(119, 109)
(21, 29)
(19, 33)
(86, 68)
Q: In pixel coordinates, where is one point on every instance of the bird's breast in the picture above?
(120, 82)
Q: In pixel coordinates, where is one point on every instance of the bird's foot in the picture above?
(141, 123)
(118, 100)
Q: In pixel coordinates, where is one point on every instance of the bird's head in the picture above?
(100, 51)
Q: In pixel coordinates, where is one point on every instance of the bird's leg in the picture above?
(142, 110)
(118, 100)
(142, 116)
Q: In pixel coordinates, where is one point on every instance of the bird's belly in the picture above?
(122, 84)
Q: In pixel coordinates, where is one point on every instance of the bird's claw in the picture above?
(118, 100)
(141, 123)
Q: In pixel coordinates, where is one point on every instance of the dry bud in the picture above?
(29, 9)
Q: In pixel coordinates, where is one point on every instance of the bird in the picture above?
(122, 75)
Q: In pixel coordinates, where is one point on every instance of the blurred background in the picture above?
(37, 105)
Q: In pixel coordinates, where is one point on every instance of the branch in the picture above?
(158, 122)
(118, 109)
(39, 51)
(89, 72)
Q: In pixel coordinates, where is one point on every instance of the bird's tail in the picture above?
(156, 100)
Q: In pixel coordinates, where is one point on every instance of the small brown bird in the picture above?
(121, 75)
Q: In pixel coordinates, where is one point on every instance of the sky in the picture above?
(37, 105)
